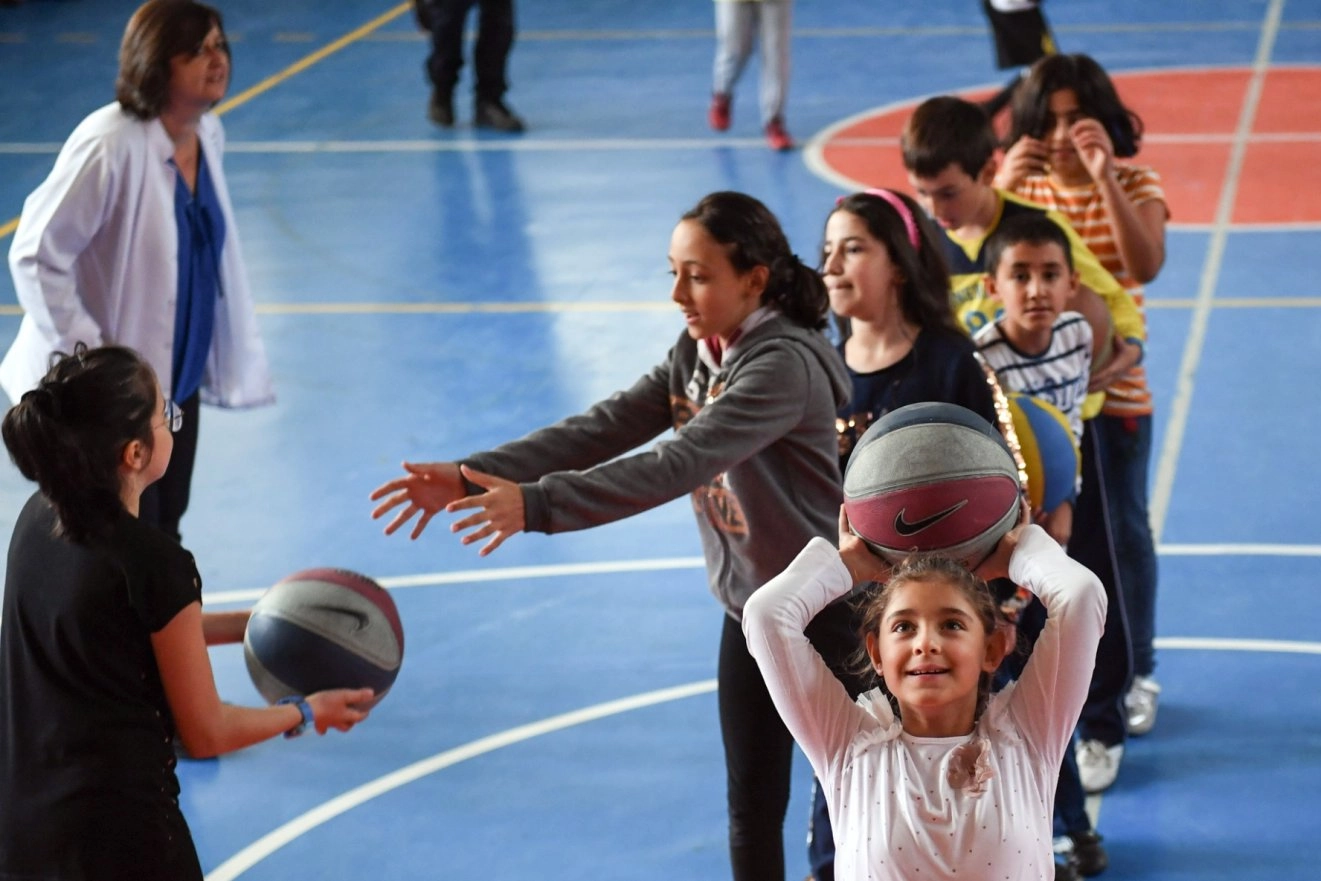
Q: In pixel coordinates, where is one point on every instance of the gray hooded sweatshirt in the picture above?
(754, 445)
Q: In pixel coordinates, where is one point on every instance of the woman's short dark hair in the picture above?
(753, 237)
(69, 433)
(157, 32)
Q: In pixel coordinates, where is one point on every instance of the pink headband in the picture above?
(910, 223)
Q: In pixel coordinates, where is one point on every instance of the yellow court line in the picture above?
(303, 64)
(599, 306)
(292, 70)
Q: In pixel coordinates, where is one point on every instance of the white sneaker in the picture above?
(1141, 703)
(1098, 764)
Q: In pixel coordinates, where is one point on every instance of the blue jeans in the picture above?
(1126, 446)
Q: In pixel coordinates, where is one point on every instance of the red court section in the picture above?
(1191, 117)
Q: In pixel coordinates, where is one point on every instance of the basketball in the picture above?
(1049, 451)
(932, 479)
(320, 629)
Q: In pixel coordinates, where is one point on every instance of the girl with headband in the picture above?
(899, 338)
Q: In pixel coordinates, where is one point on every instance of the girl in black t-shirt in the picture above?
(103, 641)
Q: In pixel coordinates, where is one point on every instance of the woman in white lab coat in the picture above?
(131, 240)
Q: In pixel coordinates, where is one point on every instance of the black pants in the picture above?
(164, 502)
(495, 37)
(759, 749)
(1092, 544)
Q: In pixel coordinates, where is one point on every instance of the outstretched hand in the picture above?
(860, 560)
(426, 489)
(339, 708)
(499, 511)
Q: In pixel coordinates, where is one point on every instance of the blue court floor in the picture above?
(424, 294)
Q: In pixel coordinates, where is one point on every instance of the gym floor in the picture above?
(425, 294)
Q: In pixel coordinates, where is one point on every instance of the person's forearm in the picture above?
(221, 628)
(1141, 252)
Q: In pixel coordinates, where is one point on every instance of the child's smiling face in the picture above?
(932, 648)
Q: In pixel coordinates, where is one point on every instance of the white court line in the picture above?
(277, 838)
(508, 573)
(560, 570)
(1168, 463)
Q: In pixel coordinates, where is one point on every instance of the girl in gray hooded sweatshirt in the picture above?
(750, 390)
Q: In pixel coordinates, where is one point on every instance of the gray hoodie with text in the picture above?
(754, 444)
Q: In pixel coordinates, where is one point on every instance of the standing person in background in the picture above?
(902, 344)
(737, 24)
(103, 641)
(131, 239)
(1067, 131)
(1022, 37)
(444, 20)
(750, 389)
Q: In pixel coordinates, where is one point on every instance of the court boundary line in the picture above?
(277, 838)
(562, 307)
(662, 564)
(813, 149)
(287, 832)
(1167, 464)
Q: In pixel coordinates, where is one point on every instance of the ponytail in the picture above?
(67, 434)
(753, 237)
(798, 291)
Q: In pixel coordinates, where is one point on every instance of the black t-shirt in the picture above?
(86, 755)
(939, 368)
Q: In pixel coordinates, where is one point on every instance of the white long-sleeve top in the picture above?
(95, 259)
(896, 811)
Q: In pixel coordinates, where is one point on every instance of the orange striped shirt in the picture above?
(1130, 395)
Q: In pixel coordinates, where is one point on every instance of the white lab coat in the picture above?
(95, 260)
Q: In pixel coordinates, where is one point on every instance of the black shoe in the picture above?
(1088, 854)
(1066, 870)
(440, 109)
(495, 115)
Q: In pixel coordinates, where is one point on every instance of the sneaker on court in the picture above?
(1065, 870)
(440, 109)
(496, 115)
(1098, 764)
(1141, 703)
(718, 114)
(777, 137)
(1087, 854)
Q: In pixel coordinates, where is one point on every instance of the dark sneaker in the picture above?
(1065, 870)
(718, 114)
(440, 109)
(495, 115)
(777, 137)
(1088, 855)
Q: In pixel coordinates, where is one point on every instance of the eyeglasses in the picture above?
(173, 416)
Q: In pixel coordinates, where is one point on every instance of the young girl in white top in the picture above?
(927, 776)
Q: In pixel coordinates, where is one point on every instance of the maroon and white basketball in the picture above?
(932, 479)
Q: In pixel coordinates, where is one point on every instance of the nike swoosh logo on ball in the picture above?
(359, 619)
(903, 527)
